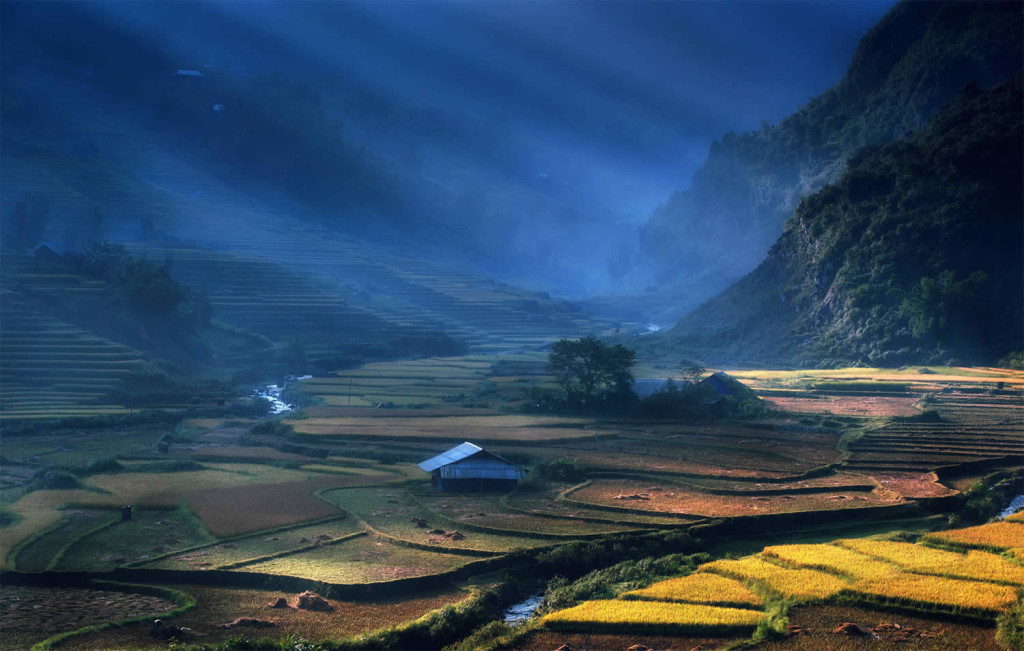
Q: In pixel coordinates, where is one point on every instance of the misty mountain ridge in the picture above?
(912, 256)
(914, 61)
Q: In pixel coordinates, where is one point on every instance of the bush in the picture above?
(103, 465)
(1010, 628)
(54, 479)
(565, 470)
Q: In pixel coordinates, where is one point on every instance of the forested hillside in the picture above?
(909, 65)
(912, 256)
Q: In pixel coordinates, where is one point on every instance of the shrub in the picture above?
(1010, 627)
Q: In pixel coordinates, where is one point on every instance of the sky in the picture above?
(621, 99)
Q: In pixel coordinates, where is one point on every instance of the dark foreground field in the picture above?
(231, 517)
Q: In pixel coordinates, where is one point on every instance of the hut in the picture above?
(469, 468)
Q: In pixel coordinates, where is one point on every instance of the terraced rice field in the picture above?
(217, 606)
(799, 583)
(941, 591)
(257, 545)
(994, 535)
(360, 560)
(30, 615)
(700, 588)
(228, 511)
(831, 558)
(653, 617)
(149, 533)
(479, 510)
(52, 368)
(532, 429)
(393, 513)
(641, 496)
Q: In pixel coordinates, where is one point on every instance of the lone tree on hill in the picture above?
(585, 366)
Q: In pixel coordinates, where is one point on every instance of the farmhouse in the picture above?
(469, 468)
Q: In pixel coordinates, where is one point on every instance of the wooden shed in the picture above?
(469, 468)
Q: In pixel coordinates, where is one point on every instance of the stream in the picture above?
(1017, 503)
(272, 392)
(524, 609)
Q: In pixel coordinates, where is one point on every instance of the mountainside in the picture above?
(912, 256)
(913, 62)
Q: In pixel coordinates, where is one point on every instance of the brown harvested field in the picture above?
(667, 498)
(243, 452)
(229, 511)
(911, 485)
(486, 511)
(746, 446)
(545, 502)
(448, 428)
(644, 462)
(216, 606)
(837, 481)
(29, 615)
(820, 622)
(327, 411)
(866, 406)
(542, 640)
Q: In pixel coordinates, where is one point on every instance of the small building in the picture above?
(469, 468)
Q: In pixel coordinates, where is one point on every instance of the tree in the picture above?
(585, 366)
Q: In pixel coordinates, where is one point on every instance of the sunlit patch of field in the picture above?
(977, 565)
(652, 617)
(216, 606)
(701, 588)
(940, 591)
(149, 533)
(257, 545)
(831, 558)
(910, 485)
(993, 535)
(934, 374)
(798, 583)
(360, 560)
(865, 406)
(678, 499)
(392, 512)
(75, 522)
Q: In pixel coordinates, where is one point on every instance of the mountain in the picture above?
(914, 255)
(908, 66)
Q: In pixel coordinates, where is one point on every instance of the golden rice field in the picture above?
(832, 559)
(942, 591)
(981, 566)
(700, 588)
(994, 535)
(804, 584)
(648, 616)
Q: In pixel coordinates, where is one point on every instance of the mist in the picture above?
(529, 141)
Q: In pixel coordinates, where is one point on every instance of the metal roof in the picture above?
(458, 453)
